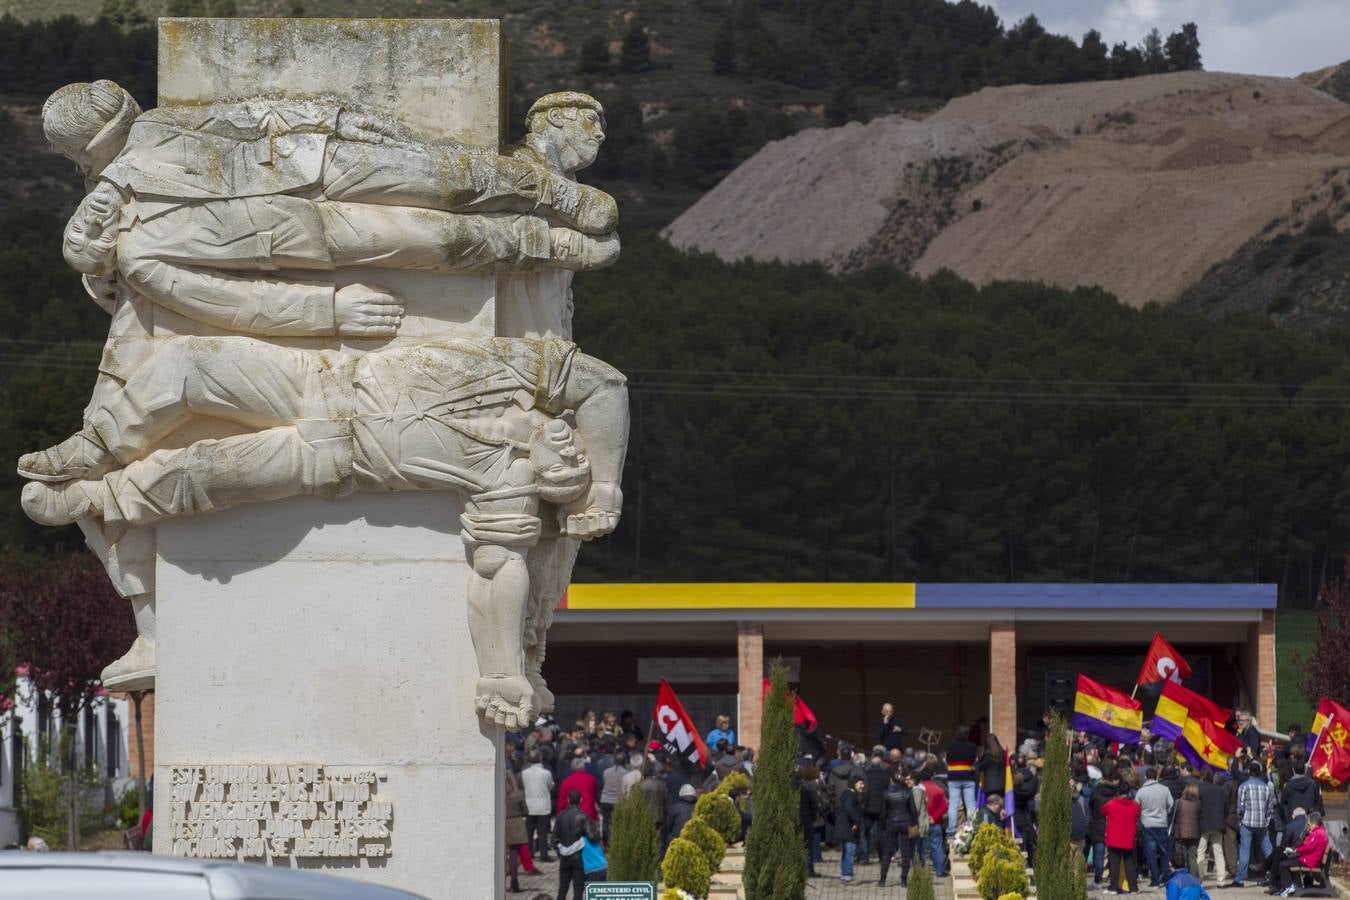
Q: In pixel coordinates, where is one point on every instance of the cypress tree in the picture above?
(1055, 865)
(635, 846)
(635, 54)
(775, 858)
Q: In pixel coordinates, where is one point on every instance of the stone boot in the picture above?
(135, 670)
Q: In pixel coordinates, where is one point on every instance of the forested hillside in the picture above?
(792, 424)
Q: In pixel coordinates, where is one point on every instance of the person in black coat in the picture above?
(890, 734)
(877, 777)
(1300, 792)
(847, 825)
(809, 809)
(681, 811)
(1025, 786)
(1213, 821)
(898, 817)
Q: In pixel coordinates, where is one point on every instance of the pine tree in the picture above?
(775, 866)
(635, 846)
(1183, 49)
(594, 56)
(1155, 59)
(724, 48)
(1055, 872)
(636, 53)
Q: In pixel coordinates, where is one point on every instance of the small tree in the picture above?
(775, 863)
(920, 885)
(685, 867)
(67, 623)
(718, 810)
(636, 53)
(1055, 872)
(706, 838)
(1323, 672)
(635, 845)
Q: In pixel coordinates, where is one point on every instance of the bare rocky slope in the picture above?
(1140, 186)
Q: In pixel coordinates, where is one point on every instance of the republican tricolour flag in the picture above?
(676, 728)
(1329, 760)
(1106, 712)
(1178, 704)
(1163, 663)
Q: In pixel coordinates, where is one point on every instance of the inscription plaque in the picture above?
(279, 812)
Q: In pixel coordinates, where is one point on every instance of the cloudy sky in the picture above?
(1262, 37)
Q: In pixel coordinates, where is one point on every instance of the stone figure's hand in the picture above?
(596, 514)
(367, 129)
(99, 212)
(361, 310)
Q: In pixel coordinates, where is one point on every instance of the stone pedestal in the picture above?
(328, 640)
(334, 634)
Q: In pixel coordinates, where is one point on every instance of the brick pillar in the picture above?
(750, 654)
(1003, 682)
(1263, 679)
(147, 727)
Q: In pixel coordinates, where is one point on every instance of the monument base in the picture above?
(314, 703)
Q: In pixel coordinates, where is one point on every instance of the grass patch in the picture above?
(1294, 630)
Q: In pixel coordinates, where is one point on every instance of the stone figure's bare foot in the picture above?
(79, 456)
(135, 670)
(570, 249)
(61, 504)
(507, 701)
(596, 514)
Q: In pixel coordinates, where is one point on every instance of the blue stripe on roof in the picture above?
(1094, 596)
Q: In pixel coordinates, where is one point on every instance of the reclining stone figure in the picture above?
(487, 418)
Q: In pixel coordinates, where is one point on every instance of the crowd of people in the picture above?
(1136, 809)
(562, 786)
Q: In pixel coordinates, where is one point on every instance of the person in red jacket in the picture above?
(1309, 853)
(584, 783)
(1122, 823)
(934, 843)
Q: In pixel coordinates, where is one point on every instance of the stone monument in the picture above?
(342, 451)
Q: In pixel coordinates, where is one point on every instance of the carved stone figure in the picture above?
(238, 216)
(483, 417)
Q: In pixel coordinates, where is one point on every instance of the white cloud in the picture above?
(1254, 36)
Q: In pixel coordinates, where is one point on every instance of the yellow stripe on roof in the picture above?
(788, 595)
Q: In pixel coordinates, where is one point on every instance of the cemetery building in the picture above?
(943, 654)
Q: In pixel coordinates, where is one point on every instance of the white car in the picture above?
(143, 876)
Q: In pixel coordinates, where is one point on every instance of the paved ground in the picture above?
(828, 887)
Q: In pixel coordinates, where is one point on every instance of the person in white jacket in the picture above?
(539, 787)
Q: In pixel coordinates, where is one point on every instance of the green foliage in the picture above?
(38, 57)
(123, 13)
(1056, 870)
(685, 867)
(1048, 435)
(709, 143)
(635, 54)
(45, 795)
(990, 842)
(706, 838)
(721, 815)
(635, 844)
(920, 885)
(775, 866)
(594, 56)
(1012, 896)
(1003, 873)
(735, 781)
(129, 806)
(843, 105)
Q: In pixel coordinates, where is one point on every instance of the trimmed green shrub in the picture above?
(720, 814)
(685, 867)
(635, 845)
(1011, 897)
(708, 840)
(735, 781)
(987, 837)
(1003, 874)
(920, 884)
(775, 862)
